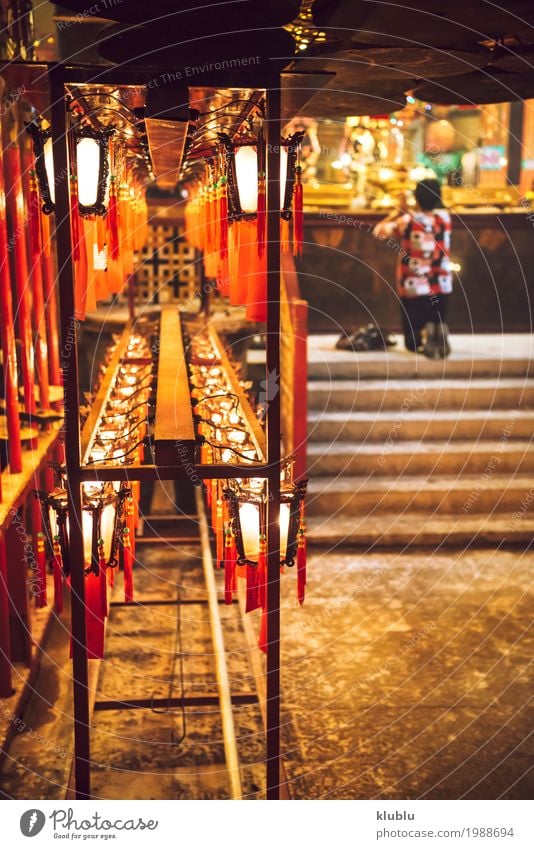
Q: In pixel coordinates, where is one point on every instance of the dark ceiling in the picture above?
(374, 50)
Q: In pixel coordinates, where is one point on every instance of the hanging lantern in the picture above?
(55, 522)
(93, 169)
(247, 509)
(101, 517)
(245, 171)
(44, 164)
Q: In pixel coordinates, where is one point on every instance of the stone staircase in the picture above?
(403, 450)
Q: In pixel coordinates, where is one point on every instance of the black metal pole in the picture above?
(272, 139)
(69, 367)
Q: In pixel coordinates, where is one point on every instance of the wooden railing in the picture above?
(293, 367)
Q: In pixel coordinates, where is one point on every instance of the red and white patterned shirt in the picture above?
(423, 267)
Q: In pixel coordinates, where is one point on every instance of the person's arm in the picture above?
(388, 226)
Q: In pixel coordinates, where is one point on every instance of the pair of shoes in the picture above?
(437, 345)
(370, 338)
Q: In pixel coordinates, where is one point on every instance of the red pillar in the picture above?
(7, 335)
(17, 250)
(34, 248)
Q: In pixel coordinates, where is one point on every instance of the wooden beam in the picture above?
(174, 434)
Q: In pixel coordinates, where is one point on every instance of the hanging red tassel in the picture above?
(40, 598)
(298, 213)
(261, 216)
(262, 639)
(301, 563)
(102, 578)
(75, 219)
(57, 566)
(284, 235)
(111, 577)
(130, 521)
(34, 213)
(223, 219)
(220, 538)
(94, 619)
(262, 574)
(113, 220)
(127, 562)
(252, 602)
(229, 567)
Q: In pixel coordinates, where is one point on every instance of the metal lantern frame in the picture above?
(39, 137)
(56, 500)
(291, 144)
(95, 504)
(293, 495)
(102, 137)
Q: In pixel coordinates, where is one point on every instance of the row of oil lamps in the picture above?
(238, 506)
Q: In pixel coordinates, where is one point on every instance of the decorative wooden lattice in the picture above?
(168, 269)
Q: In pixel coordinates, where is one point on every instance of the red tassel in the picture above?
(234, 559)
(34, 212)
(229, 568)
(75, 219)
(261, 216)
(262, 639)
(41, 570)
(127, 559)
(262, 574)
(111, 577)
(252, 602)
(94, 619)
(301, 564)
(284, 235)
(102, 578)
(113, 220)
(223, 219)
(221, 542)
(298, 214)
(131, 522)
(57, 566)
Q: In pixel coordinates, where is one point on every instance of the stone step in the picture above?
(366, 366)
(363, 496)
(392, 529)
(413, 425)
(483, 355)
(421, 458)
(401, 395)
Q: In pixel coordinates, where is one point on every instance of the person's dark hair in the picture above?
(428, 195)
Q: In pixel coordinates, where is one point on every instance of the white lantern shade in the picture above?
(49, 168)
(246, 172)
(285, 515)
(249, 519)
(88, 153)
(283, 174)
(87, 528)
(107, 524)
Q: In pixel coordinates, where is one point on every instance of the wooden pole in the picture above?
(272, 138)
(69, 366)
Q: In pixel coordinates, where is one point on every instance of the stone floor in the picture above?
(405, 675)
(409, 675)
